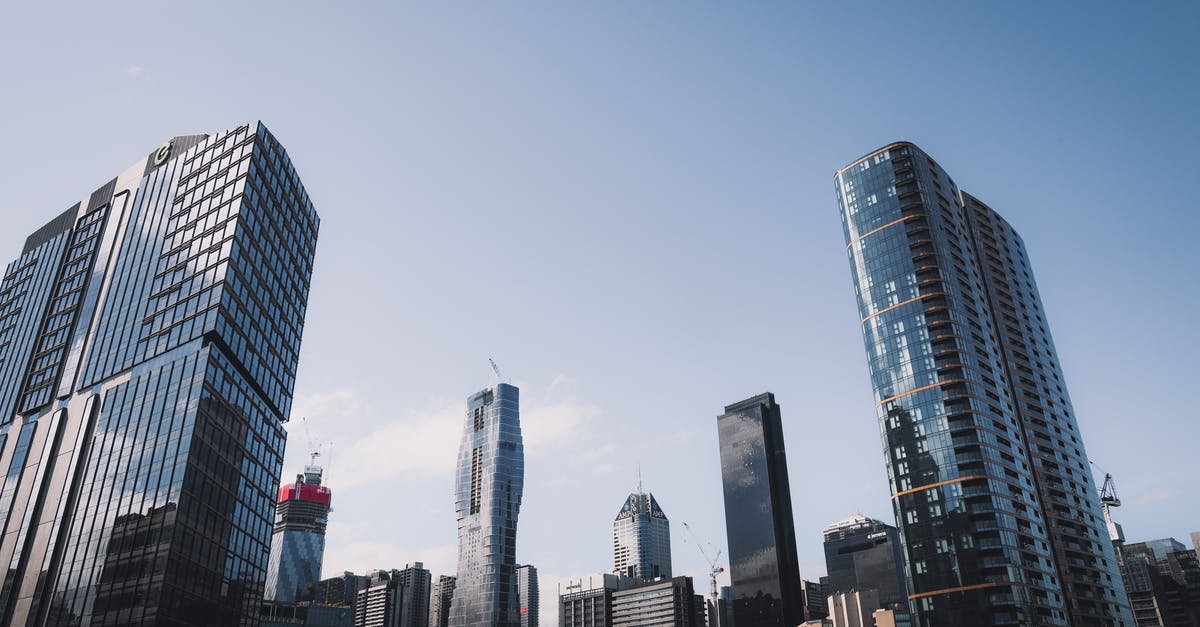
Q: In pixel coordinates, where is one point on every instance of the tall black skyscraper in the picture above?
(149, 337)
(991, 487)
(763, 567)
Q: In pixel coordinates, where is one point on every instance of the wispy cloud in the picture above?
(134, 71)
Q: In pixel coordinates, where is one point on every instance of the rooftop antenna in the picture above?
(639, 484)
(496, 369)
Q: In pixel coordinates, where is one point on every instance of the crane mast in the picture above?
(713, 569)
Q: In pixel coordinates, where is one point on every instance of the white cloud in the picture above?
(134, 71)
(418, 442)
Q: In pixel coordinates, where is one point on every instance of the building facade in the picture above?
(659, 603)
(394, 598)
(997, 511)
(527, 595)
(642, 538)
(815, 605)
(864, 554)
(298, 541)
(149, 337)
(587, 602)
(763, 568)
(439, 601)
(491, 476)
(1162, 578)
(339, 591)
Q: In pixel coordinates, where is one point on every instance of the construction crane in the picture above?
(713, 569)
(496, 369)
(1109, 500)
(314, 447)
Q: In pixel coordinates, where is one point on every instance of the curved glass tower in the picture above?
(298, 543)
(491, 477)
(999, 518)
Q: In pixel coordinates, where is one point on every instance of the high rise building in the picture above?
(339, 591)
(149, 337)
(395, 598)
(588, 601)
(491, 476)
(999, 517)
(1162, 578)
(763, 567)
(815, 603)
(439, 601)
(527, 595)
(853, 609)
(642, 538)
(864, 554)
(298, 543)
(659, 603)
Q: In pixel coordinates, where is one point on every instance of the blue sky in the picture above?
(630, 206)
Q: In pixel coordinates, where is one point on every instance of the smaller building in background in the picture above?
(660, 603)
(395, 598)
(587, 602)
(641, 538)
(864, 554)
(720, 612)
(853, 609)
(815, 605)
(527, 595)
(439, 601)
(1162, 579)
(339, 591)
(298, 543)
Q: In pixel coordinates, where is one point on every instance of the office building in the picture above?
(642, 538)
(992, 492)
(149, 337)
(587, 602)
(339, 591)
(815, 605)
(527, 595)
(298, 542)
(394, 598)
(864, 554)
(439, 601)
(1162, 578)
(763, 568)
(491, 476)
(659, 603)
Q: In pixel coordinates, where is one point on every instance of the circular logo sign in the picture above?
(160, 157)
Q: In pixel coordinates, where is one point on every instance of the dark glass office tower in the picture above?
(149, 337)
(527, 595)
(298, 541)
(864, 554)
(491, 478)
(763, 567)
(991, 488)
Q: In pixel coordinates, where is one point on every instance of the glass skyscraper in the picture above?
(491, 478)
(298, 542)
(642, 538)
(993, 496)
(528, 596)
(763, 567)
(864, 554)
(149, 337)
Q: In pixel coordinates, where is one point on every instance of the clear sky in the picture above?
(630, 206)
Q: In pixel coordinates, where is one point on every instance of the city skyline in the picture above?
(610, 155)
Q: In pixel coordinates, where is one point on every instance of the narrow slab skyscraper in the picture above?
(993, 495)
(149, 337)
(491, 478)
(763, 566)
